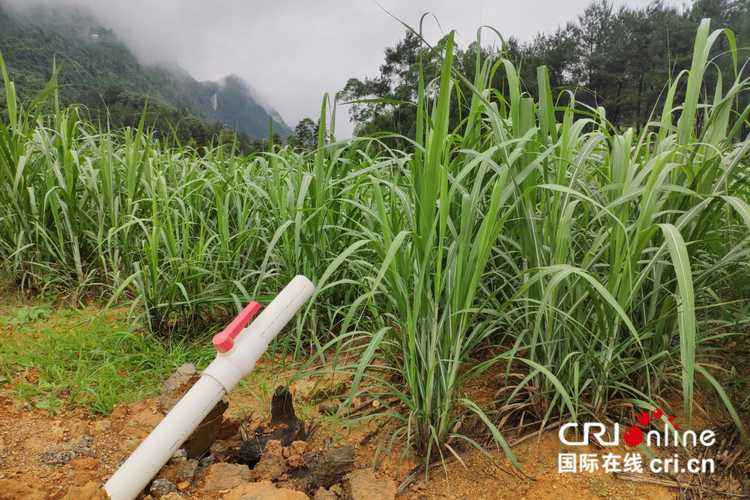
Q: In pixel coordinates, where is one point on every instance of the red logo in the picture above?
(633, 436)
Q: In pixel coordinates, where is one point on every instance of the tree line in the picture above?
(617, 58)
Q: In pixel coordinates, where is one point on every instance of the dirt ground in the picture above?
(62, 456)
(43, 457)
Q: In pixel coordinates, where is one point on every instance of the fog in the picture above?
(293, 51)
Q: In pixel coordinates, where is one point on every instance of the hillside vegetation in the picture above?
(99, 71)
(591, 269)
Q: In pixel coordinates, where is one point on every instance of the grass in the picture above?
(63, 357)
(597, 266)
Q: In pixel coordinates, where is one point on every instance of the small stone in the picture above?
(181, 453)
(220, 452)
(295, 454)
(55, 456)
(264, 490)
(186, 470)
(324, 494)
(207, 460)
(82, 445)
(89, 491)
(172, 496)
(79, 429)
(84, 463)
(129, 445)
(21, 487)
(366, 485)
(100, 427)
(272, 466)
(225, 476)
(303, 389)
(58, 434)
(183, 485)
(176, 386)
(162, 487)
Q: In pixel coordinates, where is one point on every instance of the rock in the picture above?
(303, 389)
(326, 467)
(183, 485)
(57, 432)
(82, 445)
(80, 429)
(366, 485)
(220, 452)
(186, 470)
(129, 445)
(224, 476)
(84, 463)
(337, 489)
(119, 410)
(172, 496)
(179, 454)
(141, 424)
(324, 494)
(162, 487)
(207, 460)
(272, 466)
(176, 386)
(295, 454)
(327, 409)
(168, 472)
(58, 457)
(100, 427)
(21, 487)
(264, 490)
(89, 491)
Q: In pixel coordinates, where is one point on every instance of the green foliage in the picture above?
(305, 134)
(28, 314)
(621, 59)
(75, 360)
(588, 267)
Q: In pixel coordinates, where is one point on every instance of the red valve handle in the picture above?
(224, 341)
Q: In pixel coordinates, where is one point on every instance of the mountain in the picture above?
(97, 66)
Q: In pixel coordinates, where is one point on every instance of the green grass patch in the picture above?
(65, 357)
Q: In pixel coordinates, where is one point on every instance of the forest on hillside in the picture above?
(95, 68)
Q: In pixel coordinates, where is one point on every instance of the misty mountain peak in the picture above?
(97, 60)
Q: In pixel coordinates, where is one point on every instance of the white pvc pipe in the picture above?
(218, 379)
(164, 440)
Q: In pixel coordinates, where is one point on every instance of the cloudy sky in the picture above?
(293, 51)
